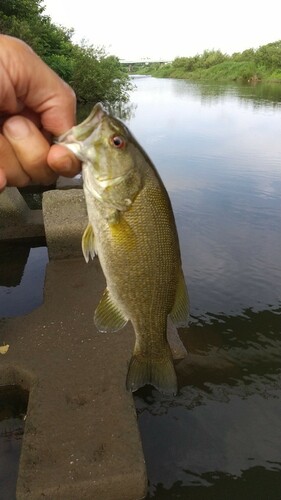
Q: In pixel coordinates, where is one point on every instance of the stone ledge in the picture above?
(81, 436)
(65, 218)
(16, 219)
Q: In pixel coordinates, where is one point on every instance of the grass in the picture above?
(225, 71)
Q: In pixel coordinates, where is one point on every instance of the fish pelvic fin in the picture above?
(180, 311)
(88, 243)
(159, 373)
(108, 316)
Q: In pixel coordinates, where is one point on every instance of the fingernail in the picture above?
(17, 128)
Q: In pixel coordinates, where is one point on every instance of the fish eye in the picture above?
(118, 141)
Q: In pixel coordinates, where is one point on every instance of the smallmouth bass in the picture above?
(132, 230)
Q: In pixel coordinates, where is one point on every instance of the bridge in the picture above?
(143, 62)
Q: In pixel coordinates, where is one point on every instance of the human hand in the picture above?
(35, 105)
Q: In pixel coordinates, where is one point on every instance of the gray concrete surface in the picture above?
(65, 218)
(81, 436)
(16, 219)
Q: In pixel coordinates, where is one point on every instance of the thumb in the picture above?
(63, 161)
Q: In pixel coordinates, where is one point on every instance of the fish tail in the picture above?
(159, 373)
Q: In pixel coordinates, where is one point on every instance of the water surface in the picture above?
(218, 150)
(22, 275)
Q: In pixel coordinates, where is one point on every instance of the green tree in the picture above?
(20, 18)
(98, 77)
(246, 55)
(269, 55)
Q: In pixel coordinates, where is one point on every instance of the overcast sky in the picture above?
(158, 29)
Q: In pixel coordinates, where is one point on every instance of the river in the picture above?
(218, 150)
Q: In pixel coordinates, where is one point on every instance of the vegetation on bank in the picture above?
(94, 75)
(263, 63)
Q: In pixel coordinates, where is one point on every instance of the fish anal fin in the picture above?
(108, 317)
(88, 243)
(159, 373)
(175, 343)
(180, 311)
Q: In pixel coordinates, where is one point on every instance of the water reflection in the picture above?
(22, 275)
(220, 485)
(258, 94)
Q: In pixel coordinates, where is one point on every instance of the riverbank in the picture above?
(251, 65)
(226, 71)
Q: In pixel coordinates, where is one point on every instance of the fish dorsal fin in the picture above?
(108, 317)
(88, 243)
(180, 311)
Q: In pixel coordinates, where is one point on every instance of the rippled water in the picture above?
(218, 151)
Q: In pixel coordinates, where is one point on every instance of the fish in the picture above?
(132, 229)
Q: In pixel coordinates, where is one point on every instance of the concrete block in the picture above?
(65, 218)
(13, 206)
(16, 219)
(81, 436)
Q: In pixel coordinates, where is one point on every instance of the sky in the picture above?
(163, 30)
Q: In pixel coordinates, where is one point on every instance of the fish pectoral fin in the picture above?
(108, 317)
(121, 231)
(145, 370)
(88, 243)
(180, 311)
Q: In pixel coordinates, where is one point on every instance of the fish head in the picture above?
(80, 139)
(107, 151)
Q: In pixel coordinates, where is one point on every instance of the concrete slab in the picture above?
(81, 437)
(65, 218)
(16, 219)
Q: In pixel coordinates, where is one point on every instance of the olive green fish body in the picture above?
(132, 229)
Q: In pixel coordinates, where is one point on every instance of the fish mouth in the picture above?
(84, 130)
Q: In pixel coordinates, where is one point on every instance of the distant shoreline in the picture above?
(252, 66)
